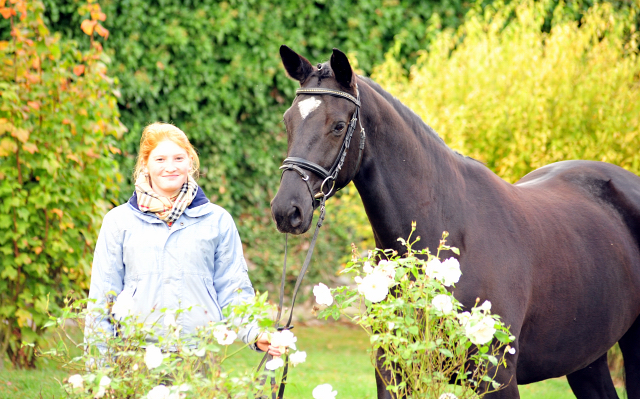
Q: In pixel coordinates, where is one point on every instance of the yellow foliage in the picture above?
(501, 90)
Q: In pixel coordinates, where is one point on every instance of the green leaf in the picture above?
(446, 352)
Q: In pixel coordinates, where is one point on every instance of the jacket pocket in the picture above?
(208, 283)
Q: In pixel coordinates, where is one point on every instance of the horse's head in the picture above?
(319, 123)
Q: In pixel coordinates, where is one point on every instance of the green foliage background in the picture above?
(503, 90)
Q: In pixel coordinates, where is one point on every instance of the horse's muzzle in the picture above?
(292, 207)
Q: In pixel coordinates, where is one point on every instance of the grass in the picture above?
(336, 354)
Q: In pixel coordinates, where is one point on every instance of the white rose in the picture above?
(153, 357)
(284, 338)
(450, 272)
(392, 325)
(123, 306)
(486, 306)
(324, 391)
(366, 267)
(482, 331)
(298, 357)
(448, 396)
(76, 382)
(105, 381)
(443, 303)
(357, 279)
(159, 392)
(224, 336)
(170, 319)
(101, 392)
(388, 270)
(323, 294)
(274, 363)
(464, 318)
(374, 287)
(433, 269)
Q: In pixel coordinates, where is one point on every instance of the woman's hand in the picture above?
(263, 344)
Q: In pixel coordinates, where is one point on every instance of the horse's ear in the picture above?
(297, 67)
(342, 68)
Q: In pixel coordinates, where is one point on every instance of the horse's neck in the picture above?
(409, 174)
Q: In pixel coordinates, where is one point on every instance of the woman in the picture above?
(168, 246)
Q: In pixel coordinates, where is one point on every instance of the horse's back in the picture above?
(600, 182)
(588, 215)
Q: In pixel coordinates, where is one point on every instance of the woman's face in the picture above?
(168, 166)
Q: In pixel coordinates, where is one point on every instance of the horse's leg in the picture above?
(383, 374)
(593, 381)
(630, 347)
(507, 377)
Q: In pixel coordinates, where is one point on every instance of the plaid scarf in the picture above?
(167, 209)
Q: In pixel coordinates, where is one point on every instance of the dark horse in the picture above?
(557, 253)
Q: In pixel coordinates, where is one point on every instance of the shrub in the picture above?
(58, 124)
(151, 358)
(404, 305)
(504, 91)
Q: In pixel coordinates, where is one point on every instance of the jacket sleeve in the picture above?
(107, 274)
(231, 278)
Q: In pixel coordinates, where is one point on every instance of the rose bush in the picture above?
(405, 306)
(138, 362)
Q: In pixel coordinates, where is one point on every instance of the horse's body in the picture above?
(557, 253)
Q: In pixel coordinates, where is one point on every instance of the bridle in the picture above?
(299, 165)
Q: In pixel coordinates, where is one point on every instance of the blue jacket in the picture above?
(197, 262)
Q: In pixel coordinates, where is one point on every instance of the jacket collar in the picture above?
(199, 200)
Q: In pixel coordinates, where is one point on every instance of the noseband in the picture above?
(299, 165)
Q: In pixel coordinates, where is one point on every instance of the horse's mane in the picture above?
(407, 113)
(414, 120)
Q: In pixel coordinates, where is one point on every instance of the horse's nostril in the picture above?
(295, 216)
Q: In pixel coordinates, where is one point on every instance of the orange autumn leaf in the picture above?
(58, 212)
(92, 154)
(30, 148)
(32, 78)
(100, 30)
(33, 104)
(73, 158)
(7, 12)
(37, 250)
(21, 134)
(98, 15)
(87, 26)
(78, 69)
(66, 121)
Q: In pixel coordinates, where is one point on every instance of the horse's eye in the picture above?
(339, 127)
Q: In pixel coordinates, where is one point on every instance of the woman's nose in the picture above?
(170, 167)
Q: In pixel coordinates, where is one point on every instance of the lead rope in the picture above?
(288, 326)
